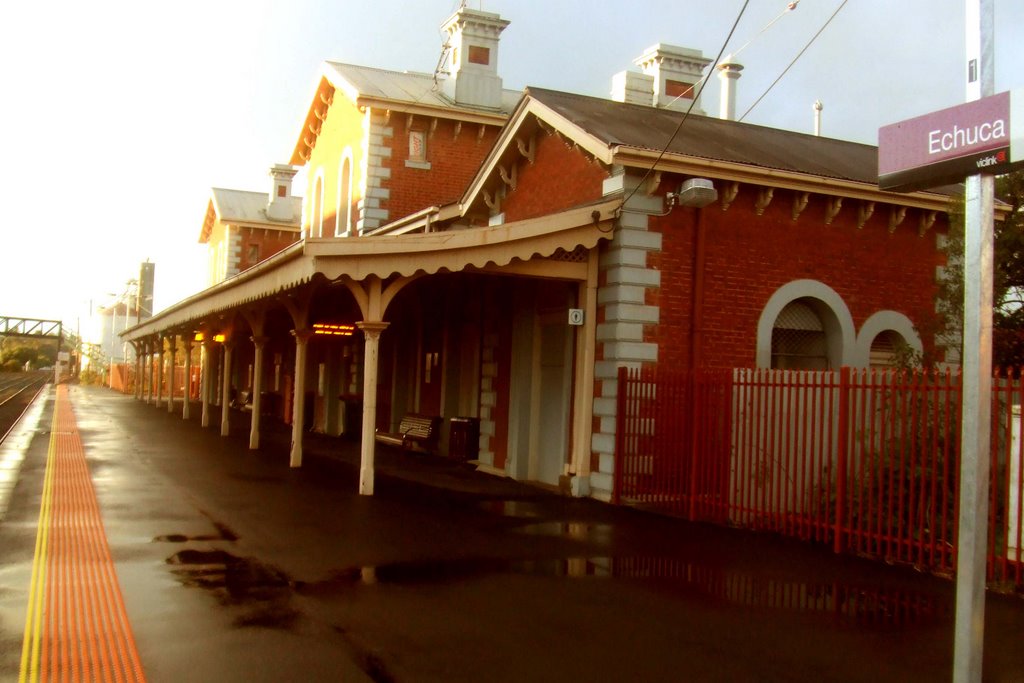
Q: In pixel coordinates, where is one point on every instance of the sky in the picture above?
(117, 117)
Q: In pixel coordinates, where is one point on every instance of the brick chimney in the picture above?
(676, 73)
(472, 36)
(279, 206)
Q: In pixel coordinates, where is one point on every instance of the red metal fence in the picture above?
(864, 460)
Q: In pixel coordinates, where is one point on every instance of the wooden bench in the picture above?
(414, 431)
(244, 401)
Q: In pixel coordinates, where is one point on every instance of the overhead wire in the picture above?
(794, 60)
(789, 8)
(693, 102)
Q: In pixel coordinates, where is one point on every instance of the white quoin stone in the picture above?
(472, 37)
(674, 69)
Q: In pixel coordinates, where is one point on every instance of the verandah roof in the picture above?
(489, 248)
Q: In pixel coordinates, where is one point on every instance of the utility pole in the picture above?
(975, 447)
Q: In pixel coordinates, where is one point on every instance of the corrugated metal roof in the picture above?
(405, 86)
(242, 206)
(648, 128)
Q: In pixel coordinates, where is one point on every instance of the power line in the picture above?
(799, 54)
(789, 8)
(693, 102)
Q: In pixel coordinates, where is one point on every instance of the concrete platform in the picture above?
(234, 567)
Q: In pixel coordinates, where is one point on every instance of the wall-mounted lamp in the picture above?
(694, 192)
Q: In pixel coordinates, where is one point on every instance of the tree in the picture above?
(15, 352)
(1008, 295)
(1008, 278)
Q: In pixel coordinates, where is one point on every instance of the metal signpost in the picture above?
(976, 140)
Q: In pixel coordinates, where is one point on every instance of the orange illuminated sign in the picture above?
(334, 330)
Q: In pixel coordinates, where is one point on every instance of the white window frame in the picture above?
(345, 196)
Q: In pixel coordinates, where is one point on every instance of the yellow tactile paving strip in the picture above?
(76, 628)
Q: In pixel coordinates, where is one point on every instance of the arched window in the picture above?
(885, 349)
(884, 338)
(343, 226)
(805, 324)
(316, 220)
(798, 339)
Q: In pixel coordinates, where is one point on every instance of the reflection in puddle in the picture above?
(576, 530)
(513, 508)
(263, 591)
(859, 604)
(862, 605)
(224, 533)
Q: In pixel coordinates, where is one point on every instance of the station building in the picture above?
(492, 257)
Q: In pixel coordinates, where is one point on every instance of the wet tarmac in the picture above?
(236, 567)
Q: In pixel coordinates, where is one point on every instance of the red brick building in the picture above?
(734, 246)
(473, 253)
(243, 228)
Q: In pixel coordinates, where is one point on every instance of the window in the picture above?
(316, 221)
(417, 145)
(417, 150)
(885, 349)
(798, 339)
(252, 253)
(479, 55)
(282, 190)
(343, 226)
(819, 332)
(679, 89)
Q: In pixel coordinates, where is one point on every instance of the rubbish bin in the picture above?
(352, 421)
(464, 438)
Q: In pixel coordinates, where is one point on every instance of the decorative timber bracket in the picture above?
(510, 178)
(926, 222)
(832, 207)
(528, 149)
(896, 216)
(800, 200)
(729, 195)
(764, 198)
(864, 212)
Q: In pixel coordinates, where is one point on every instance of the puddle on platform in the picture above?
(578, 530)
(224, 533)
(868, 606)
(261, 591)
(514, 508)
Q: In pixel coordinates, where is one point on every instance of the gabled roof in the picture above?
(241, 207)
(410, 87)
(404, 91)
(641, 127)
(617, 133)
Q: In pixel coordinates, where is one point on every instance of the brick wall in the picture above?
(558, 178)
(453, 156)
(269, 242)
(748, 257)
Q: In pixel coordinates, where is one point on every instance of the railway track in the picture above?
(17, 391)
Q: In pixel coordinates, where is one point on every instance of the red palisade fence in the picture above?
(866, 461)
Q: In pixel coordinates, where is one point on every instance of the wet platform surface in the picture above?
(234, 566)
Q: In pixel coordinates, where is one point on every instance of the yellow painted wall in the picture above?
(342, 128)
